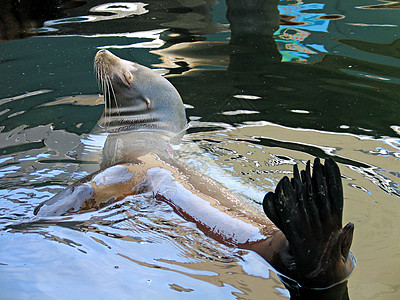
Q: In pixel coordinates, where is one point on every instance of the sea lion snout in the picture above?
(105, 56)
(109, 65)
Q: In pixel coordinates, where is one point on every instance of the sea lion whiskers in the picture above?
(99, 75)
(108, 95)
(112, 90)
(104, 79)
(99, 72)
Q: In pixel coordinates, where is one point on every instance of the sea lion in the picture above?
(143, 114)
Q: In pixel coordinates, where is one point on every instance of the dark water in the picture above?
(266, 84)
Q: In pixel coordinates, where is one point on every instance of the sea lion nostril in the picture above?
(102, 52)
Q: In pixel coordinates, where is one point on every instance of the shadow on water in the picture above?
(281, 83)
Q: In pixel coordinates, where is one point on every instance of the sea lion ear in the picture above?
(148, 101)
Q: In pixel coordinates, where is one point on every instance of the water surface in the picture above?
(266, 85)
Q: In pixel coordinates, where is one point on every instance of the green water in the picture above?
(260, 96)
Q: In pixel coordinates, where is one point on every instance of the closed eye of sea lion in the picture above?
(143, 112)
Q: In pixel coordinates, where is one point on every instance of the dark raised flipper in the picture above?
(308, 210)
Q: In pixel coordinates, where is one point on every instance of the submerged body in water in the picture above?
(144, 114)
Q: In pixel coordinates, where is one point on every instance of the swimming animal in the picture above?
(143, 114)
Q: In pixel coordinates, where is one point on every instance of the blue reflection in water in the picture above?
(291, 39)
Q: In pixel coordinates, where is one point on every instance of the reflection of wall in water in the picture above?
(249, 47)
(297, 24)
(310, 30)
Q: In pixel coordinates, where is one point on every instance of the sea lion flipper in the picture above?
(309, 197)
(270, 209)
(334, 182)
(347, 239)
(308, 211)
(321, 192)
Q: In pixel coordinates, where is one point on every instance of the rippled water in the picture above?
(260, 97)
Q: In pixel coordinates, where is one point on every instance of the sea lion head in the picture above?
(136, 97)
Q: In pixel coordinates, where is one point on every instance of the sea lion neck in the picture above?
(136, 97)
(126, 147)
